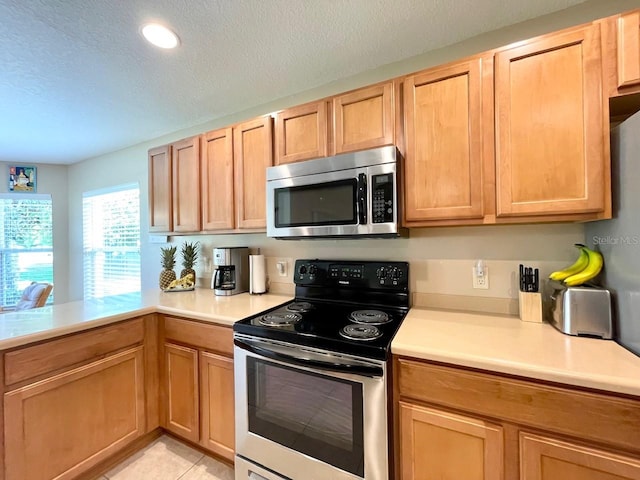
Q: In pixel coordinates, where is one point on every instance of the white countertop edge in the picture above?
(527, 371)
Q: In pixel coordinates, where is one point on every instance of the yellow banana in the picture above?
(593, 268)
(579, 265)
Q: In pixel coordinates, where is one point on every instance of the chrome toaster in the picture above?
(582, 311)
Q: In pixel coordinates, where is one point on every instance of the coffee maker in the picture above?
(231, 274)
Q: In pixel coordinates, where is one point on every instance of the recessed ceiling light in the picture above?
(160, 36)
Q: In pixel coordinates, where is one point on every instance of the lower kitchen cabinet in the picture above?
(61, 426)
(454, 423)
(217, 401)
(438, 444)
(198, 384)
(549, 459)
(181, 380)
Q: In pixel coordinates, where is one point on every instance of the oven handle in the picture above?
(367, 371)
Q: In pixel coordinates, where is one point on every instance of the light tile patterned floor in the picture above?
(168, 459)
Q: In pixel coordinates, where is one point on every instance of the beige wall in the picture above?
(433, 252)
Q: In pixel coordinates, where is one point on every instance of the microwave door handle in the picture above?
(306, 362)
(362, 199)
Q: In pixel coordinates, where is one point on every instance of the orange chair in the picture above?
(34, 296)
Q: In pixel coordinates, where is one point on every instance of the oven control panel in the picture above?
(360, 274)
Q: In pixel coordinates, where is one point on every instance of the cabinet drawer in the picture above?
(587, 415)
(56, 355)
(209, 337)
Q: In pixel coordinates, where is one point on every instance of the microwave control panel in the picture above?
(382, 198)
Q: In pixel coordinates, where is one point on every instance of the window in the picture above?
(111, 241)
(26, 244)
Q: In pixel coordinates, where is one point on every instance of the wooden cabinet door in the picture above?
(364, 119)
(301, 133)
(160, 206)
(181, 387)
(438, 444)
(217, 180)
(62, 426)
(629, 49)
(253, 153)
(186, 185)
(548, 459)
(216, 400)
(444, 143)
(550, 127)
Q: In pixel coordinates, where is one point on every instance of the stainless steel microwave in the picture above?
(354, 194)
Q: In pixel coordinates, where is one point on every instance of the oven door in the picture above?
(308, 413)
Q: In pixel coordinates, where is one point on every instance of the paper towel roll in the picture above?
(257, 274)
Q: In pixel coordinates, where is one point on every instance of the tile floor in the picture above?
(168, 459)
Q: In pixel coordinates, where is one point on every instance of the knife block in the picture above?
(530, 306)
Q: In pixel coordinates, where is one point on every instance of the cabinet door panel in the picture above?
(217, 401)
(217, 180)
(253, 153)
(62, 426)
(443, 113)
(550, 127)
(301, 133)
(186, 185)
(364, 119)
(181, 384)
(438, 444)
(629, 49)
(548, 459)
(160, 197)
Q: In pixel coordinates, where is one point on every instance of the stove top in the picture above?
(352, 307)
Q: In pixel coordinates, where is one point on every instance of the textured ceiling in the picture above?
(77, 80)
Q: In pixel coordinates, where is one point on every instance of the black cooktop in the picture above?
(369, 298)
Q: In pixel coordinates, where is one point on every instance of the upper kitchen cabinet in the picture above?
(301, 133)
(551, 158)
(364, 118)
(174, 193)
(160, 209)
(185, 167)
(217, 180)
(628, 45)
(253, 153)
(448, 126)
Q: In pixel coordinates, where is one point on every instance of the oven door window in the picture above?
(311, 413)
(330, 203)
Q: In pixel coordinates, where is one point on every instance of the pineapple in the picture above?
(167, 275)
(189, 258)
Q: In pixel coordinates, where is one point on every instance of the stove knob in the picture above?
(313, 269)
(382, 272)
(395, 273)
(302, 269)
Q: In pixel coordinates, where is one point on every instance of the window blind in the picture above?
(26, 244)
(111, 241)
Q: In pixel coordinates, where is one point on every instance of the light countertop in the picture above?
(507, 345)
(21, 328)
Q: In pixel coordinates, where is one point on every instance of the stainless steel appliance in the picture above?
(582, 311)
(231, 274)
(618, 239)
(312, 389)
(347, 195)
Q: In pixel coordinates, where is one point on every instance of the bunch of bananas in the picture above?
(585, 268)
(185, 282)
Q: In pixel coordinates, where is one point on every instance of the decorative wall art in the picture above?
(22, 179)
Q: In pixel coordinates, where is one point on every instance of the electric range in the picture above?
(352, 307)
(312, 388)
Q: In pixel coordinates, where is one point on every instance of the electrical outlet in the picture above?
(480, 277)
(281, 266)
